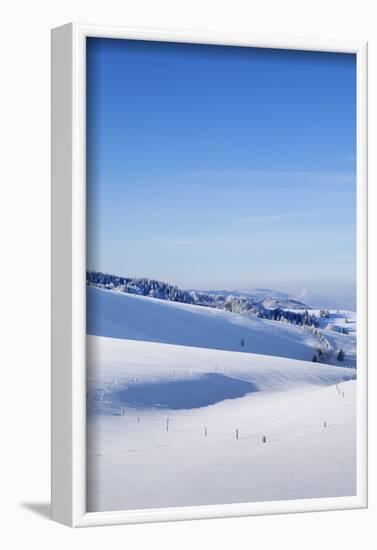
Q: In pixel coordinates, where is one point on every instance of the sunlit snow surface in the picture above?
(175, 425)
(120, 315)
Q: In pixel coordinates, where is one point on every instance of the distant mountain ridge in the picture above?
(273, 307)
(267, 297)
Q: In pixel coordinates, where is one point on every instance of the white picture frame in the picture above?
(68, 277)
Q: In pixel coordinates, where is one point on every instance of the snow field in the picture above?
(156, 456)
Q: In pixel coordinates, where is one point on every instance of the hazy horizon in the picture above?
(339, 296)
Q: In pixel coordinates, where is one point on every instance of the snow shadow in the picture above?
(182, 394)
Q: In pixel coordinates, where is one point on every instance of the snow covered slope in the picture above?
(191, 405)
(120, 315)
(145, 452)
(123, 369)
(339, 330)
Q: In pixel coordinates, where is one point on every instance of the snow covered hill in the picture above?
(131, 373)
(271, 298)
(120, 315)
(338, 329)
(175, 425)
(266, 297)
(191, 405)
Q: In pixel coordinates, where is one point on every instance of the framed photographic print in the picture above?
(209, 275)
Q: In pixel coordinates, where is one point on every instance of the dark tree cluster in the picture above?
(294, 317)
(324, 313)
(148, 287)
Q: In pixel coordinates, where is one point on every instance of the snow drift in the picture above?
(147, 454)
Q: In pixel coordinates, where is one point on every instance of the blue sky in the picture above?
(221, 167)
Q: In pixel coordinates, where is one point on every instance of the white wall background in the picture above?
(25, 276)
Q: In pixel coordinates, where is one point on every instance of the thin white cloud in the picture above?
(333, 176)
(274, 217)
